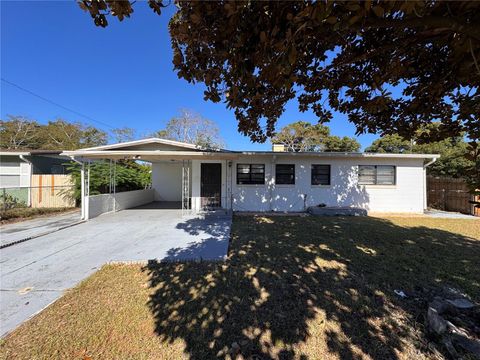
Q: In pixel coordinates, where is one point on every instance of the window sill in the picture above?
(379, 186)
(284, 185)
(320, 186)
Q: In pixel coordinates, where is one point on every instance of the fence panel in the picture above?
(52, 191)
(450, 194)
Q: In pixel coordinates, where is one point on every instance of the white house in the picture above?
(192, 178)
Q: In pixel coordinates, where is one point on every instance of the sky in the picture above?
(119, 76)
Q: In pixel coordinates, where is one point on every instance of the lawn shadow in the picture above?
(323, 282)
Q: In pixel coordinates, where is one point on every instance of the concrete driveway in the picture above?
(36, 272)
(22, 230)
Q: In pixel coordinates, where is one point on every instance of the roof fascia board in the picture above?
(145, 141)
(199, 154)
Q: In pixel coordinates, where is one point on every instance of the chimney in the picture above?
(278, 148)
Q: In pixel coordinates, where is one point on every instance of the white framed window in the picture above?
(376, 175)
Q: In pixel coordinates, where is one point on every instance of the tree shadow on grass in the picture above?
(308, 288)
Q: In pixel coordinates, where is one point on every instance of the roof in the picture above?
(27, 152)
(190, 151)
(145, 141)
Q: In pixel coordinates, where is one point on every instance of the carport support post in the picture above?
(82, 189)
(114, 185)
(86, 190)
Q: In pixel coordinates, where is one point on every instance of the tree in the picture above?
(63, 135)
(344, 144)
(391, 66)
(256, 56)
(453, 152)
(192, 128)
(123, 134)
(18, 132)
(21, 133)
(390, 144)
(129, 175)
(304, 136)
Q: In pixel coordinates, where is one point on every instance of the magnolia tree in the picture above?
(391, 66)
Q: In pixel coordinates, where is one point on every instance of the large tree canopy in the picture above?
(452, 162)
(18, 132)
(392, 66)
(304, 136)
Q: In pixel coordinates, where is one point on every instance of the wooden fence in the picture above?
(52, 191)
(450, 194)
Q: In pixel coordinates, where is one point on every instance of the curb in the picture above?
(41, 234)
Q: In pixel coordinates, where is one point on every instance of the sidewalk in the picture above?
(19, 231)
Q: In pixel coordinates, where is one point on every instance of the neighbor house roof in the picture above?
(190, 151)
(27, 152)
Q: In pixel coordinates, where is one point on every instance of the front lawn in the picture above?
(293, 288)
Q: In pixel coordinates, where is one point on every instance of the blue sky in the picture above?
(121, 75)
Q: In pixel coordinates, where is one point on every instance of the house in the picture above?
(22, 172)
(192, 178)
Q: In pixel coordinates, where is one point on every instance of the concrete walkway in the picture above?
(35, 273)
(11, 233)
(449, 215)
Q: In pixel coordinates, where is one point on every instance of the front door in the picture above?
(211, 185)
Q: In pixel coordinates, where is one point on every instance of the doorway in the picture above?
(211, 185)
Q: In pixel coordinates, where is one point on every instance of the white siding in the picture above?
(167, 181)
(405, 196)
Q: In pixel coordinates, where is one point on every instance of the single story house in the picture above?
(23, 170)
(198, 179)
(17, 166)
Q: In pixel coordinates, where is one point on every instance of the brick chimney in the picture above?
(278, 148)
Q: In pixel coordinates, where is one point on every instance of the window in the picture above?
(9, 181)
(285, 174)
(250, 174)
(376, 175)
(320, 174)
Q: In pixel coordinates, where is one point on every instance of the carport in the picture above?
(184, 177)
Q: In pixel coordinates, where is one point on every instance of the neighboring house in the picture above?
(20, 171)
(201, 179)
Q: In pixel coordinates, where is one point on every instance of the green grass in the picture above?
(292, 288)
(18, 214)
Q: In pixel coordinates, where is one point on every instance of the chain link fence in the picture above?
(49, 196)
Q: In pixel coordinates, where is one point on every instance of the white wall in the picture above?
(104, 203)
(407, 195)
(167, 181)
